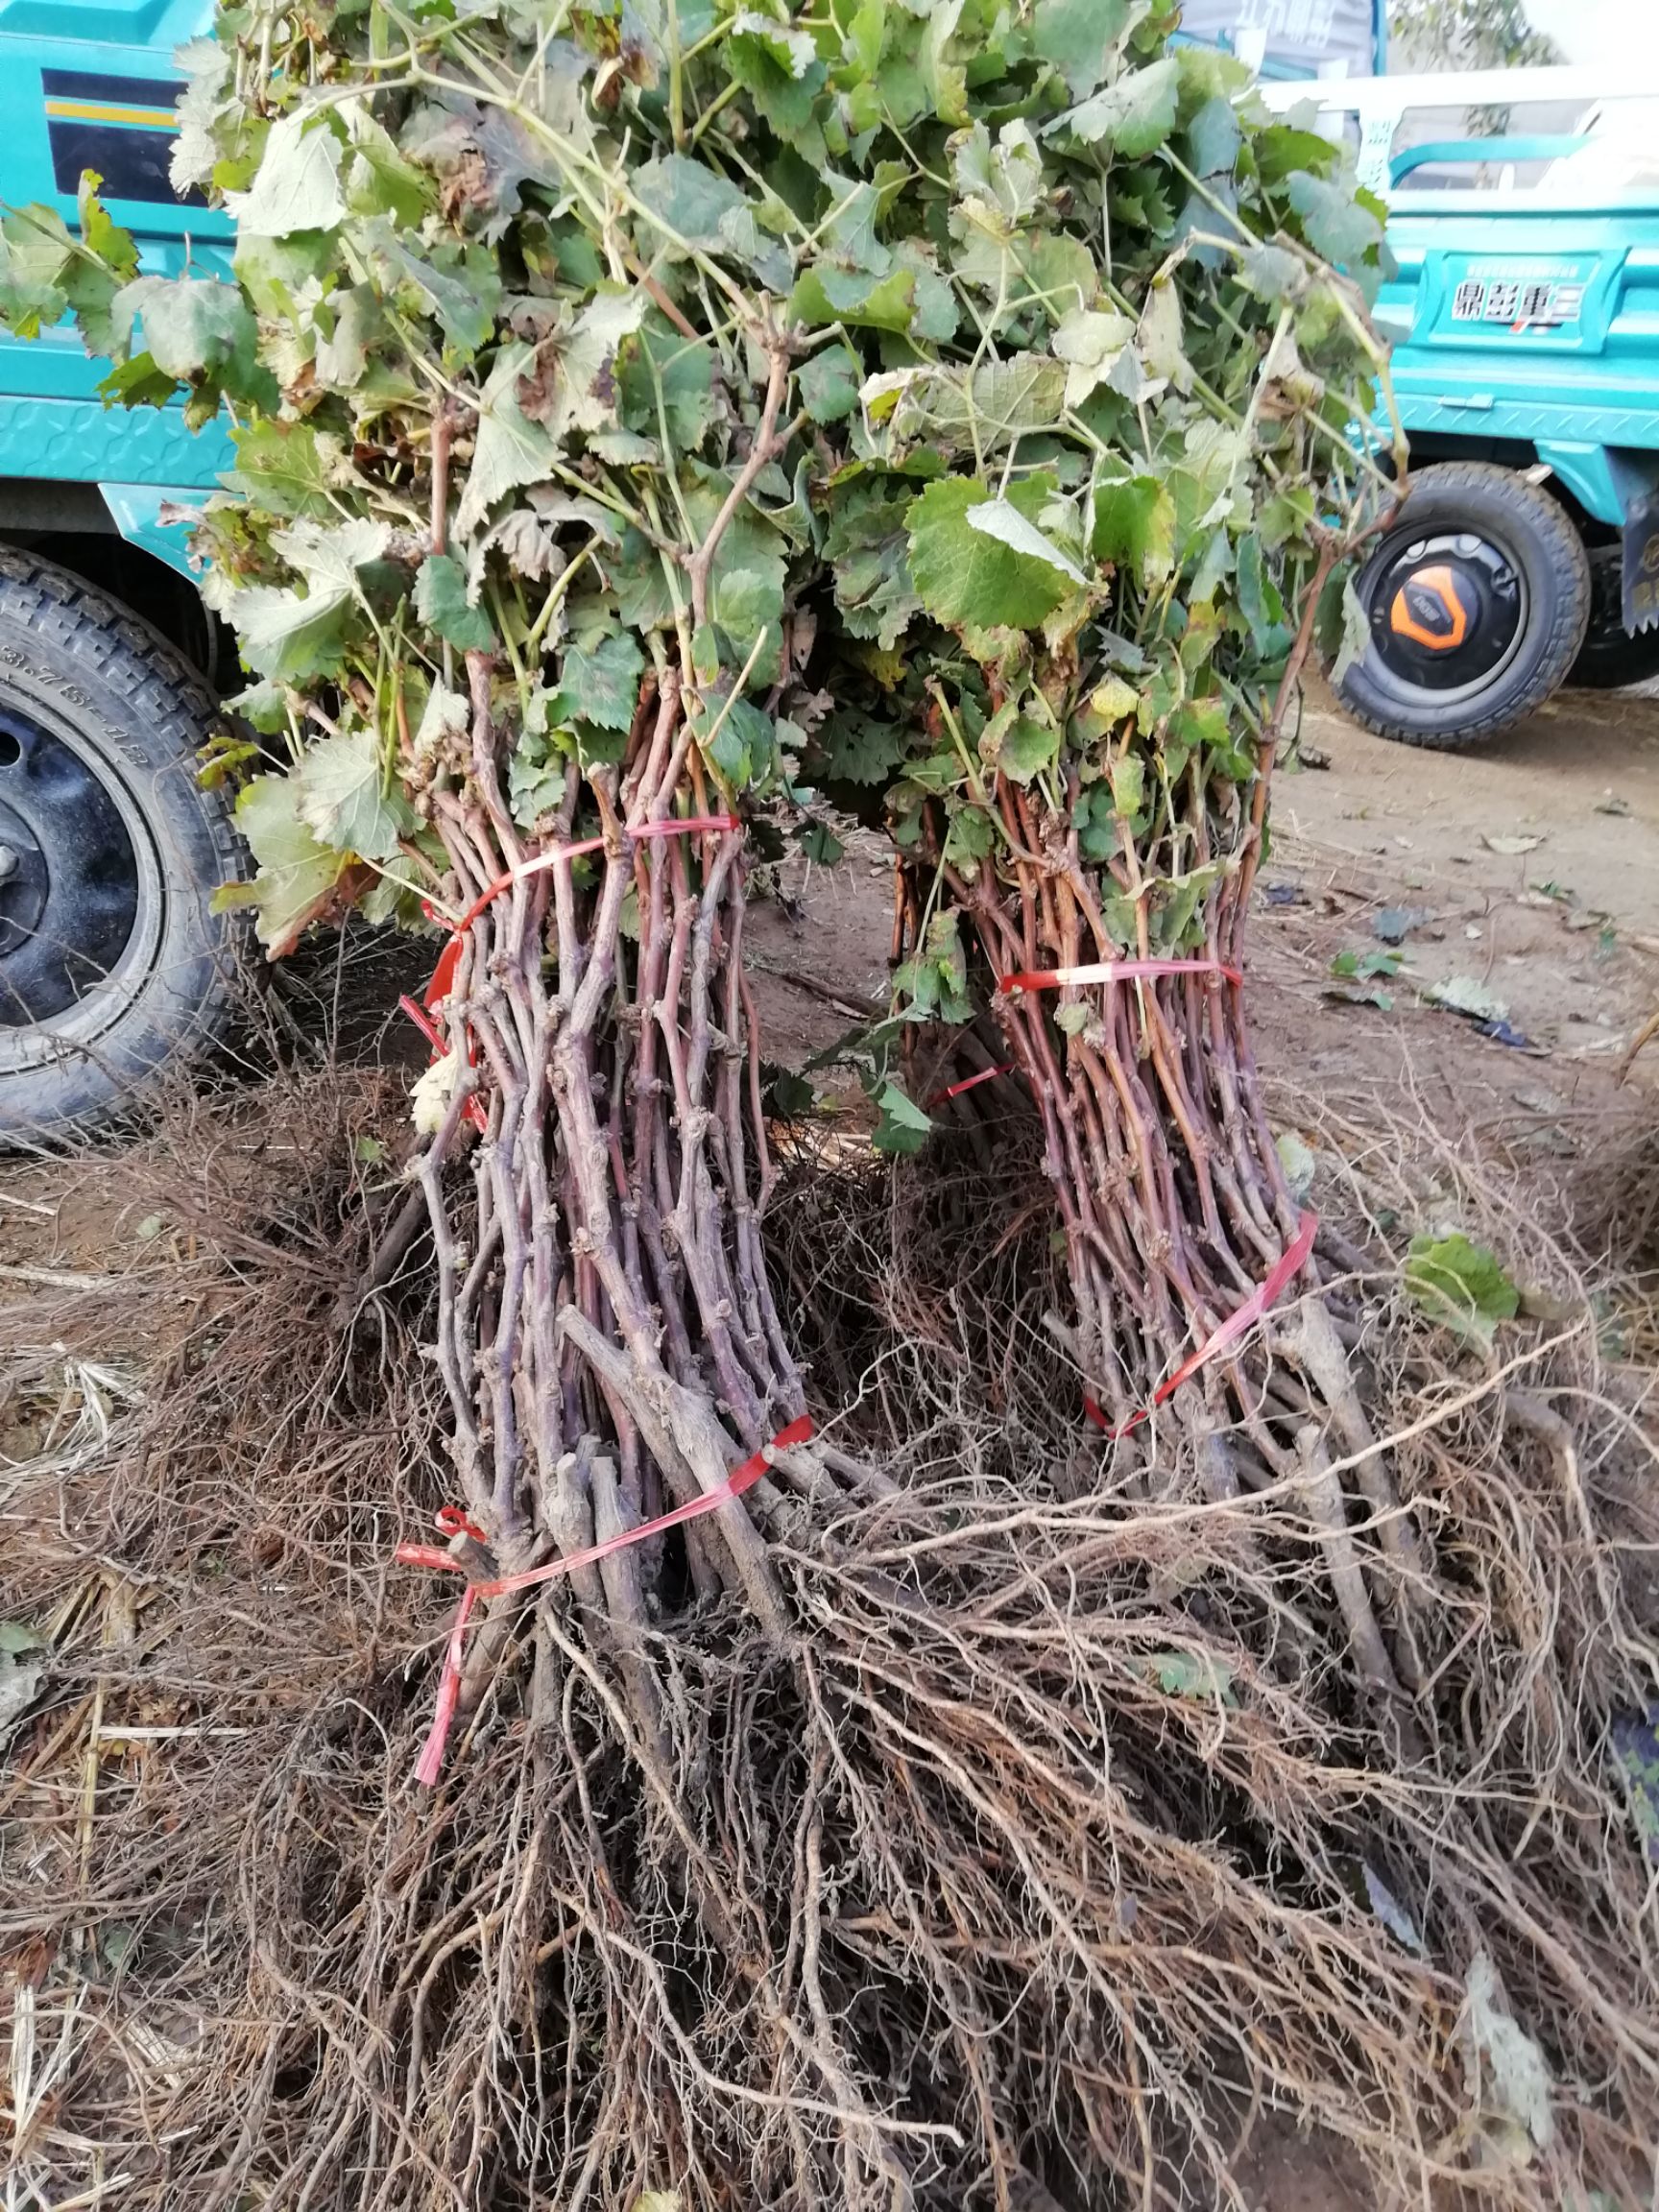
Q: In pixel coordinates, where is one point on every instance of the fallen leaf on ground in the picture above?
(20, 1682)
(1508, 2077)
(1391, 924)
(1389, 1910)
(1360, 967)
(1464, 995)
(1610, 803)
(1459, 1285)
(1296, 1158)
(1511, 848)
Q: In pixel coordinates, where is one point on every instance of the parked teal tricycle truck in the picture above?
(1523, 317)
(1525, 325)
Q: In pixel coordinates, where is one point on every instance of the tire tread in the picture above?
(1566, 630)
(178, 706)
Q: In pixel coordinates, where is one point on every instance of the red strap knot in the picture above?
(455, 1521)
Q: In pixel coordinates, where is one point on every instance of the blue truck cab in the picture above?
(92, 84)
(1523, 319)
(113, 964)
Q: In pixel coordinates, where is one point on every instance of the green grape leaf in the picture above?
(442, 603)
(344, 798)
(779, 68)
(1260, 600)
(292, 636)
(1213, 139)
(1091, 344)
(297, 185)
(684, 368)
(1273, 274)
(696, 207)
(828, 382)
(35, 247)
(742, 743)
(1027, 747)
(1084, 39)
(1002, 519)
(1191, 1674)
(861, 749)
(1160, 338)
(744, 602)
(1355, 636)
(1131, 118)
(818, 842)
(297, 876)
(1287, 513)
(1337, 226)
(601, 686)
(1134, 527)
(191, 325)
(288, 467)
(904, 1128)
(973, 578)
(509, 450)
(828, 295)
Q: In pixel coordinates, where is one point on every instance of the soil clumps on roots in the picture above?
(1054, 1842)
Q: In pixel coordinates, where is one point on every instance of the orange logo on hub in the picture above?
(1432, 593)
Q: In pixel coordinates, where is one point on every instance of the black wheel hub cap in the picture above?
(69, 877)
(1445, 611)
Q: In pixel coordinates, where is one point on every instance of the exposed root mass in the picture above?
(1056, 1837)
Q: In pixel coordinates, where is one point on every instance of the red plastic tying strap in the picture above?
(1231, 1330)
(1113, 972)
(971, 1083)
(452, 1522)
(673, 825)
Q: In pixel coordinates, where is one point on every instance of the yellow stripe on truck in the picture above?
(89, 112)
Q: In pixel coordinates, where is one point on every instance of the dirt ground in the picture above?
(1525, 876)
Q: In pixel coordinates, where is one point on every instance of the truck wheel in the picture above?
(112, 962)
(1478, 598)
(1612, 657)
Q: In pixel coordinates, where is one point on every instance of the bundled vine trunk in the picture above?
(1178, 1221)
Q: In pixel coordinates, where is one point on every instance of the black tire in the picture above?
(111, 855)
(1611, 658)
(1476, 511)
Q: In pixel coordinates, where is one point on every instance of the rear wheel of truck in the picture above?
(113, 963)
(1612, 657)
(1478, 599)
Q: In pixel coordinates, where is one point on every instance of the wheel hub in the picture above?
(69, 877)
(1445, 611)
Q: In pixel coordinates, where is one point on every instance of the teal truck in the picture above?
(1526, 324)
(1523, 319)
(113, 961)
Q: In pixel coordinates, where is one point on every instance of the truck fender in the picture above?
(136, 511)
